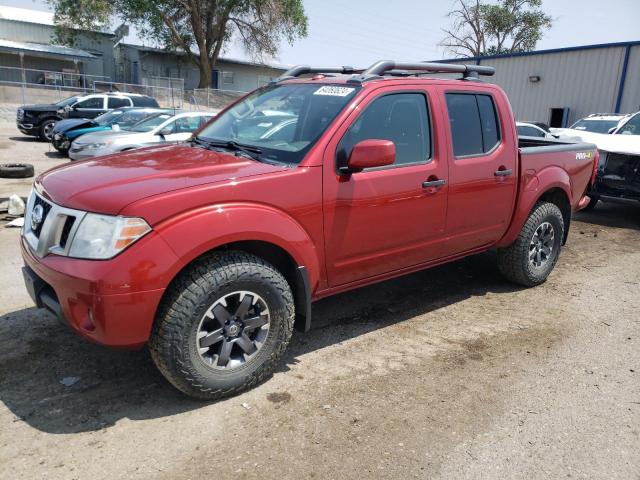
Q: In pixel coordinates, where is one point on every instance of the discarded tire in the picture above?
(16, 170)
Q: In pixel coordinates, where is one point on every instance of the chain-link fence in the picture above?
(210, 98)
(19, 86)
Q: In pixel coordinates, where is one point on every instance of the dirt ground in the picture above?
(449, 373)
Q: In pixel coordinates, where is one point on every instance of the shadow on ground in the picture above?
(37, 353)
(612, 214)
(25, 138)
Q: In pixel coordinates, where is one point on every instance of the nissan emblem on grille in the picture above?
(36, 216)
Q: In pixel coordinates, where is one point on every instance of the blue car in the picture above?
(66, 131)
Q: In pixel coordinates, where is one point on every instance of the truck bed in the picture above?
(537, 145)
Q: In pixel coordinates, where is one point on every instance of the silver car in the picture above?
(155, 130)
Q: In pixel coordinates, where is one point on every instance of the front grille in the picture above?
(54, 232)
(46, 207)
(66, 229)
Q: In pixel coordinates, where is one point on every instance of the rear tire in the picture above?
(531, 258)
(205, 342)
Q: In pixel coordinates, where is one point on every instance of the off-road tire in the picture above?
(513, 261)
(44, 128)
(16, 170)
(592, 203)
(173, 343)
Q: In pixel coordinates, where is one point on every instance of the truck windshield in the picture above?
(108, 118)
(282, 122)
(67, 101)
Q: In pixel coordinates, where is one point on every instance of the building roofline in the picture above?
(144, 48)
(543, 52)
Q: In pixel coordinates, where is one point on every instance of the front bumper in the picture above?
(86, 154)
(60, 141)
(28, 128)
(110, 302)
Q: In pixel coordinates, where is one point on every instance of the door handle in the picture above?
(503, 173)
(433, 183)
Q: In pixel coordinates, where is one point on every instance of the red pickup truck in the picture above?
(323, 181)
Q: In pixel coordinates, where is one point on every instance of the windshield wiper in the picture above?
(252, 152)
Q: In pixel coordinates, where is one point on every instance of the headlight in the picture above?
(104, 236)
(93, 146)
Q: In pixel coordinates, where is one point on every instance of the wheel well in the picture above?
(294, 274)
(280, 258)
(558, 197)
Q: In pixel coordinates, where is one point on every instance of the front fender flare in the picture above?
(198, 231)
(533, 187)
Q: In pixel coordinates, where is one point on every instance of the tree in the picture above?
(481, 28)
(200, 28)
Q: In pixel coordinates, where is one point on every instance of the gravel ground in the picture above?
(448, 373)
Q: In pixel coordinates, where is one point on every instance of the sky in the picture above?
(360, 32)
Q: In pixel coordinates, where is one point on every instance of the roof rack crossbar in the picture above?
(385, 66)
(305, 69)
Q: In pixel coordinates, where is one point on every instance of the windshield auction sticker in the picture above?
(334, 91)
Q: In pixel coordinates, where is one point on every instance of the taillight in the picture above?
(596, 162)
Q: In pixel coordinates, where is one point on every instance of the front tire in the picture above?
(530, 259)
(223, 326)
(46, 130)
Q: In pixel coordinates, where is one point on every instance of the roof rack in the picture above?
(390, 67)
(305, 69)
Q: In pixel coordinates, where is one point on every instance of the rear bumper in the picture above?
(80, 292)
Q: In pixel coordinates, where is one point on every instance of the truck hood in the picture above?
(72, 123)
(42, 107)
(108, 184)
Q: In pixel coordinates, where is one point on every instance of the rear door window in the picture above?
(474, 123)
(118, 102)
(95, 103)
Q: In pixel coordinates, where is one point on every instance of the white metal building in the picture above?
(562, 85)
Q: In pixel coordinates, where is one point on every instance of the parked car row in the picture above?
(618, 139)
(101, 124)
(38, 120)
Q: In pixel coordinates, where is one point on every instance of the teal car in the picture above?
(66, 131)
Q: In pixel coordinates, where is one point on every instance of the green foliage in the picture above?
(487, 28)
(198, 27)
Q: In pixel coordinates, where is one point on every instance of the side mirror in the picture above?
(611, 130)
(165, 131)
(370, 154)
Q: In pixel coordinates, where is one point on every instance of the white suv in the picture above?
(91, 106)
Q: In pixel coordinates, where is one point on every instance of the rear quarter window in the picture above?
(144, 102)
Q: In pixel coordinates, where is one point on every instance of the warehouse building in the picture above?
(28, 54)
(26, 44)
(135, 62)
(562, 85)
